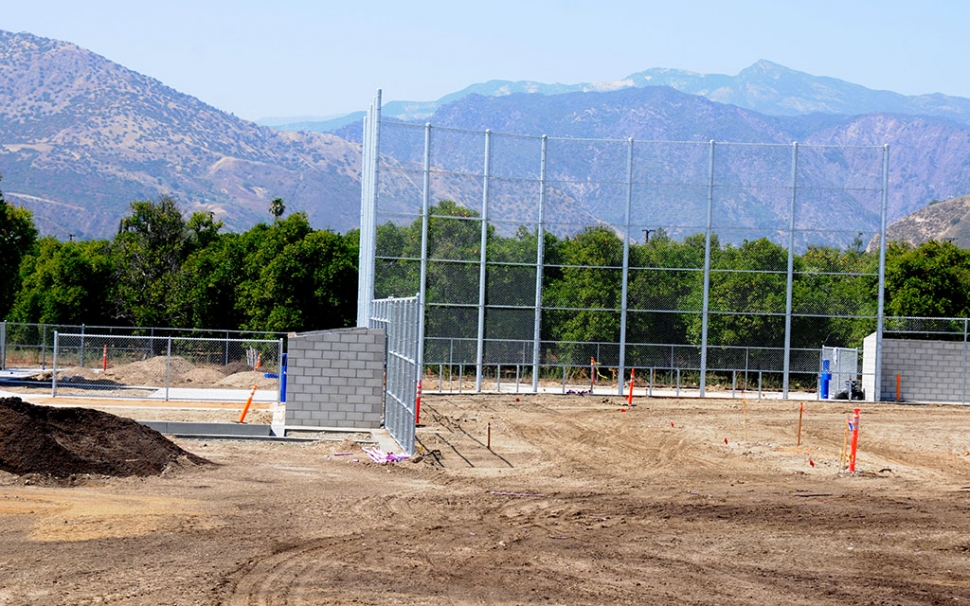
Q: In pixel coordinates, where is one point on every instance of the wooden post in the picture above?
(801, 411)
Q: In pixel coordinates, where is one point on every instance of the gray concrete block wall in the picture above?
(930, 371)
(335, 378)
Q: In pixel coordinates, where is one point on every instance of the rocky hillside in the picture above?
(81, 137)
(948, 220)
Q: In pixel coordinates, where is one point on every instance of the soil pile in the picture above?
(61, 442)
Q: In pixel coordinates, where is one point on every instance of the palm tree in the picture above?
(277, 207)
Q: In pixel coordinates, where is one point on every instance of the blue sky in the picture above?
(258, 58)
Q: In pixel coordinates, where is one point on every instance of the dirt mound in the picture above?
(247, 379)
(152, 371)
(61, 442)
(201, 376)
(234, 367)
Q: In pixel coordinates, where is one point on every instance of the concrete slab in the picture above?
(217, 395)
(187, 428)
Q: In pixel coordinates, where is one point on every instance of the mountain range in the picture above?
(765, 87)
(81, 137)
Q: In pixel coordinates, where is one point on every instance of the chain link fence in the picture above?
(30, 346)
(111, 362)
(166, 368)
(400, 318)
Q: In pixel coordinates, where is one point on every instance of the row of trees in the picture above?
(164, 270)
(834, 291)
(167, 271)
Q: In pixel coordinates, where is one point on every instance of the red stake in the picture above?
(417, 406)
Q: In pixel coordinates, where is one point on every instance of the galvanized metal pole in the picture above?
(963, 393)
(791, 269)
(480, 354)
(368, 212)
(425, 220)
(168, 365)
(540, 260)
(624, 289)
(707, 271)
(880, 311)
(54, 366)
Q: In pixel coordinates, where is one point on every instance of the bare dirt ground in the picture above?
(673, 501)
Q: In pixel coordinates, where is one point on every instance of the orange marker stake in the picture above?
(104, 360)
(249, 402)
(855, 440)
(629, 398)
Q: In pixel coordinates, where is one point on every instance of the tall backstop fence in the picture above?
(695, 263)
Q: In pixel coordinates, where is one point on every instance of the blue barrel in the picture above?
(283, 381)
(826, 377)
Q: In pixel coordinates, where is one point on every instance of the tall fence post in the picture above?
(483, 257)
(425, 220)
(705, 307)
(370, 170)
(624, 288)
(3, 345)
(881, 295)
(540, 261)
(791, 270)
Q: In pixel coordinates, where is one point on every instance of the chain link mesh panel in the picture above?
(166, 368)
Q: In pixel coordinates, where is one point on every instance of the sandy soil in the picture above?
(577, 502)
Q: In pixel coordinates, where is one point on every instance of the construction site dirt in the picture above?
(580, 499)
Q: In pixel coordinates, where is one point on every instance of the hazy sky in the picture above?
(262, 58)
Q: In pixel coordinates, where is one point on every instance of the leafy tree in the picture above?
(747, 296)
(296, 278)
(65, 283)
(151, 245)
(209, 284)
(932, 280)
(664, 274)
(18, 236)
(833, 291)
(591, 279)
